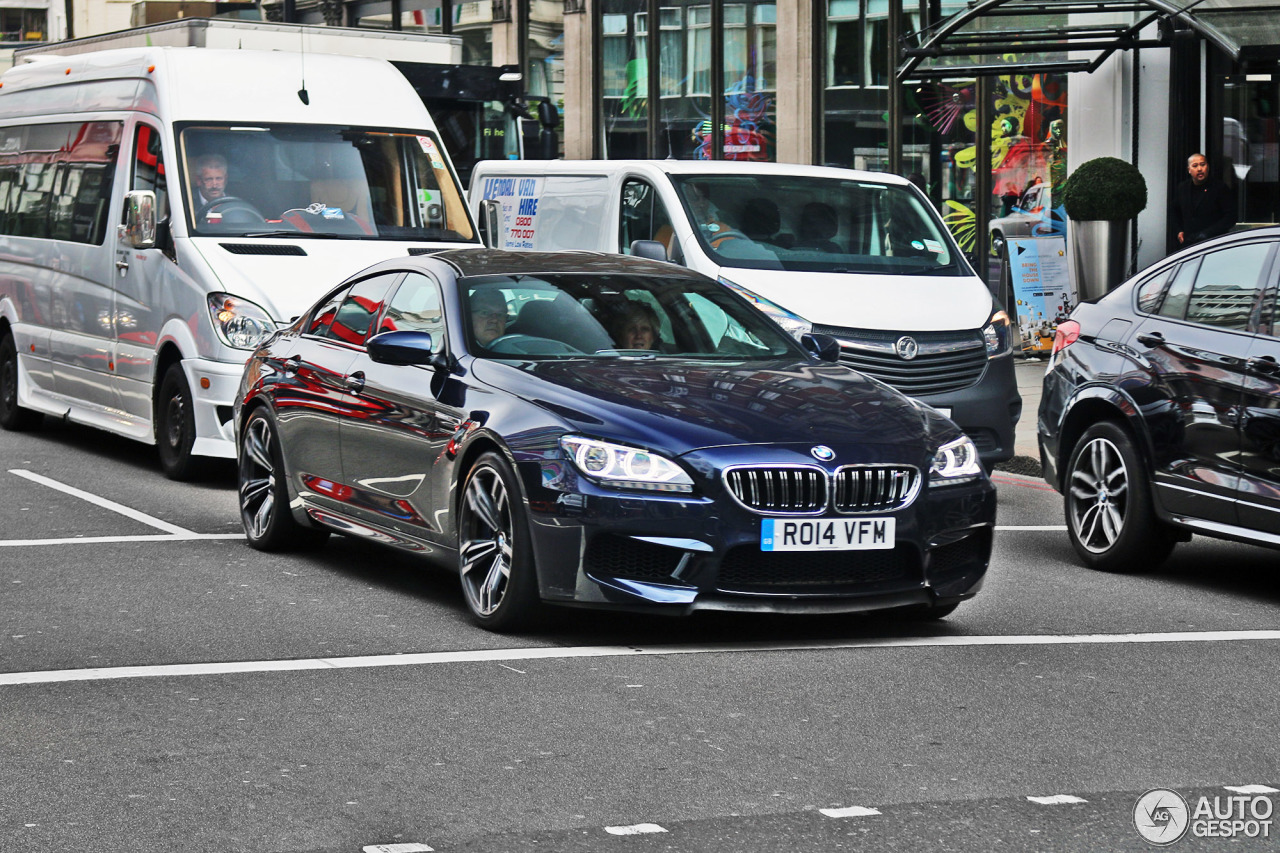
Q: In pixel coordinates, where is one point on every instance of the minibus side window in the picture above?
(55, 179)
(148, 168)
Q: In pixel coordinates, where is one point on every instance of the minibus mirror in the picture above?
(490, 217)
(140, 219)
(651, 249)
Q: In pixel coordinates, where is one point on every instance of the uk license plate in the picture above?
(826, 534)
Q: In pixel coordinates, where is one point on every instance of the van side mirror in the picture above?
(140, 219)
(651, 249)
(822, 347)
(490, 222)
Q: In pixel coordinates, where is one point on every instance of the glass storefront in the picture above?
(1251, 145)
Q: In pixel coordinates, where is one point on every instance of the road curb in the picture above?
(1020, 465)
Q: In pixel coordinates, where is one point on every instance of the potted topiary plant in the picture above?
(1101, 197)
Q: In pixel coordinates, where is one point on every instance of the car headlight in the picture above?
(794, 324)
(238, 322)
(998, 334)
(955, 462)
(623, 466)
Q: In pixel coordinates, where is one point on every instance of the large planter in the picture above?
(1100, 248)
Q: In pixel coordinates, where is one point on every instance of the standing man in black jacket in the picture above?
(1202, 207)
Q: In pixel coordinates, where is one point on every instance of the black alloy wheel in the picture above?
(495, 553)
(12, 416)
(1110, 516)
(268, 522)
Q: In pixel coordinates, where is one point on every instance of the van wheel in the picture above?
(12, 416)
(1111, 518)
(269, 524)
(176, 427)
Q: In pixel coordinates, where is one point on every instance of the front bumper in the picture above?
(679, 554)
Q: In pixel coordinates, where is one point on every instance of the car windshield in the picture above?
(615, 316)
(817, 224)
(319, 181)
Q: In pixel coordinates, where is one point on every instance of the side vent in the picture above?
(261, 249)
(422, 250)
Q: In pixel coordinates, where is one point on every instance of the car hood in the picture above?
(681, 406)
(906, 303)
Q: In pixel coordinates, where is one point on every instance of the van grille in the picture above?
(948, 361)
(261, 249)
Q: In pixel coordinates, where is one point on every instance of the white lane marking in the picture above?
(410, 847)
(97, 500)
(851, 811)
(1057, 800)
(564, 652)
(99, 540)
(1251, 789)
(636, 829)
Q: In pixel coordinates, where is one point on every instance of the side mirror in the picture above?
(491, 222)
(651, 249)
(821, 347)
(140, 219)
(402, 348)
(548, 115)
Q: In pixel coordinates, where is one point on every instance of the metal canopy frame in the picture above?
(996, 52)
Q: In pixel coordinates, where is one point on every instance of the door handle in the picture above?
(1154, 339)
(122, 265)
(355, 382)
(1266, 365)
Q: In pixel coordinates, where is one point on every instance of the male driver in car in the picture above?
(488, 315)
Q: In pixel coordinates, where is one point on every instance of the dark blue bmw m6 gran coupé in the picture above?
(598, 430)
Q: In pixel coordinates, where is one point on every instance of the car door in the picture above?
(391, 450)
(1196, 348)
(1259, 504)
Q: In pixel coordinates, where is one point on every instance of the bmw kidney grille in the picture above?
(802, 490)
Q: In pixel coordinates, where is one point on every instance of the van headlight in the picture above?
(955, 462)
(793, 324)
(238, 322)
(623, 466)
(998, 334)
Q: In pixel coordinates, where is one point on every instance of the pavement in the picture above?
(1026, 459)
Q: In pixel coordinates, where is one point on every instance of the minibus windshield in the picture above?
(319, 181)
(817, 224)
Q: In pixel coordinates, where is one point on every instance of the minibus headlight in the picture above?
(998, 334)
(238, 322)
(794, 324)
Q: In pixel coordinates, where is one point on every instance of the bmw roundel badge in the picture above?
(822, 453)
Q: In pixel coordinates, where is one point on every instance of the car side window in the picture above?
(644, 217)
(1151, 290)
(1174, 305)
(1227, 286)
(356, 312)
(416, 307)
(324, 315)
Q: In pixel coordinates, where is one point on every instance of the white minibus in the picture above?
(164, 210)
(862, 257)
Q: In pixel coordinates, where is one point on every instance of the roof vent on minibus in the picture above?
(260, 249)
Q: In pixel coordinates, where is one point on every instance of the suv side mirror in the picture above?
(490, 222)
(139, 229)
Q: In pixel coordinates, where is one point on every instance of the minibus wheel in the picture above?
(176, 427)
(12, 416)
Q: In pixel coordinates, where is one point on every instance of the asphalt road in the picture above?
(165, 687)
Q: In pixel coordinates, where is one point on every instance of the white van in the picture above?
(130, 301)
(860, 256)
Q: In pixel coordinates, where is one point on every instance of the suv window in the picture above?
(1151, 290)
(1227, 286)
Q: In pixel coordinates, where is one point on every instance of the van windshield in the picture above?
(319, 181)
(817, 224)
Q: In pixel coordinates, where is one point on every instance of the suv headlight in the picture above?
(625, 467)
(238, 322)
(955, 462)
(998, 334)
(794, 324)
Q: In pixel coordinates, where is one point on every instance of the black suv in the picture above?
(1160, 415)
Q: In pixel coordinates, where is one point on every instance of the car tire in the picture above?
(1110, 514)
(176, 428)
(12, 416)
(263, 491)
(495, 551)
